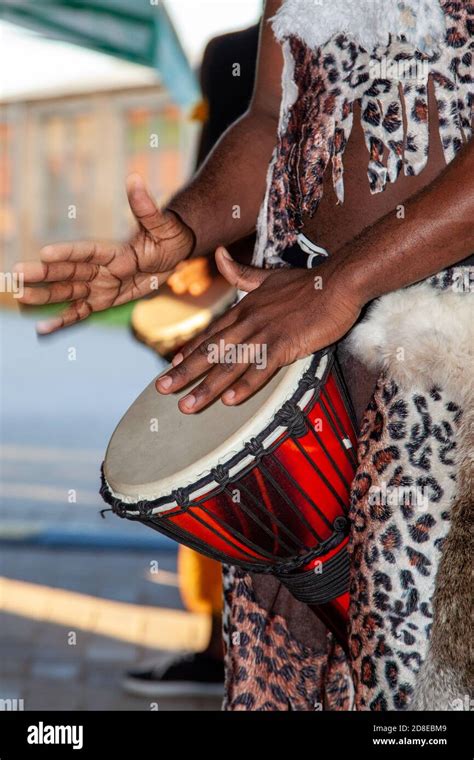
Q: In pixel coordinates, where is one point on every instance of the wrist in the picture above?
(188, 248)
(352, 278)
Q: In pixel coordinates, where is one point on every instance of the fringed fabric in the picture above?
(320, 87)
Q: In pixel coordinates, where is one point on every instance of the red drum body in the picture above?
(278, 504)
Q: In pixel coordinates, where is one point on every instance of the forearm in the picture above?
(436, 232)
(222, 201)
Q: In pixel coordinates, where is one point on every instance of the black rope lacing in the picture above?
(253, 557)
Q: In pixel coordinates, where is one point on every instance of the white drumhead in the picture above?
(168, 319)
(156, 448)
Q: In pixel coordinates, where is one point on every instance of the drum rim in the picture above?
(305, 393)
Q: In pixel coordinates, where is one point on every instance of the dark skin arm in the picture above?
(95, 275)
(436, 233)
(234, 174)
(283, 310)
(285, 313)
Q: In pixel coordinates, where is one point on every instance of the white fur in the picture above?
(369, 22)
(438, 687)
(421, 337)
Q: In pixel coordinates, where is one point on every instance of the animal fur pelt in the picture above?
(422, 337)
(368, 22)
(446, 678)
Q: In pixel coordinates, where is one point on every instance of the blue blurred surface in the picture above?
(56, 418)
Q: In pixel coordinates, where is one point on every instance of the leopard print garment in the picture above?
(316, 126)
(267, 668)
(400, 517)
(407, 449)
(406, 440)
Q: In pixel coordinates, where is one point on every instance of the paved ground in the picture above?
(72, 622)
(78, 601)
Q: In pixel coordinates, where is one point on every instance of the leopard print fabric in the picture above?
(400, 514)
(407, 440)
(400, 517)
(267, 668)
(316, 127)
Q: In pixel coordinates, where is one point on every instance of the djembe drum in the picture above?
(264, 485)
(168, 321)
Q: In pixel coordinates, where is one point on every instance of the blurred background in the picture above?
(89, 92)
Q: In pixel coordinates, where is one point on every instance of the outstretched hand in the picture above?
(93, 276)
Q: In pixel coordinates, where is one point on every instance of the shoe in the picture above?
(194, 675)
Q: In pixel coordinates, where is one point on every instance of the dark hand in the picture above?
(287, 315)
(94, 276)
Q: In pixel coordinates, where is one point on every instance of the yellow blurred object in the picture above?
(200, 582)
(137, 624)
(200, 112)
(193, 277)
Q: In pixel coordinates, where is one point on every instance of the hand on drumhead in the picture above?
(286, 315)
(94, 276)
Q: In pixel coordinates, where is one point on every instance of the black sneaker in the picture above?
(196, 675)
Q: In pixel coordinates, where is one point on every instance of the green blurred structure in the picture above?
(139, 31)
